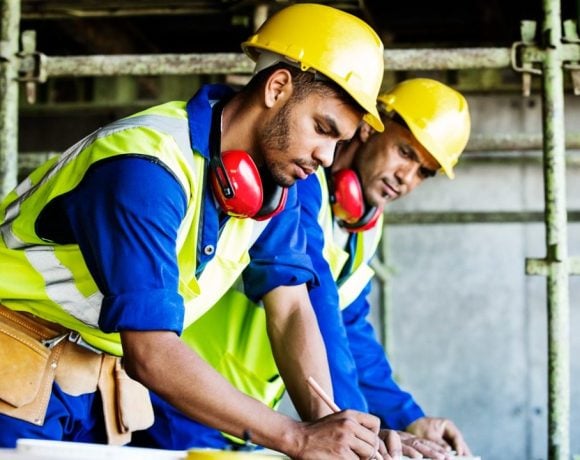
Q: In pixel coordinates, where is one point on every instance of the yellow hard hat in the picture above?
(437, 115)
(339, 45)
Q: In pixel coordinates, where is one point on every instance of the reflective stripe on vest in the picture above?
(350, 286)
(223, 267)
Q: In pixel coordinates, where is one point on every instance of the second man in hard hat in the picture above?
(427, 126)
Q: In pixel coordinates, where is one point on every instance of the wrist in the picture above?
(292, 439)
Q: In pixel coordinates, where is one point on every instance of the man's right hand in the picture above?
(346, 435)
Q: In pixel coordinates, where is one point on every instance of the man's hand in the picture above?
(414, 447)
(441, 431)
(347, 435)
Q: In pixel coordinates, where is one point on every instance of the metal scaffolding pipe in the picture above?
(9, 28)
(470, 217)
(154, 64)
(228, 63)
(556, 261)
(442, 59)
(514, 142)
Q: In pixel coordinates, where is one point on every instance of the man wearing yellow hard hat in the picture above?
(114, 247)
(427, 126)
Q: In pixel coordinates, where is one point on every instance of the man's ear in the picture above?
(278, 87)
(365, 131)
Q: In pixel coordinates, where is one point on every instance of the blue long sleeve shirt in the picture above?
(361, 374)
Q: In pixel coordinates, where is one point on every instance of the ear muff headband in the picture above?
(236, 181)
(368, 221)
(348, 203)
(275, 197)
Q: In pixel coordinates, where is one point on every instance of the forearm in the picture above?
(164, 364)
(298, 348)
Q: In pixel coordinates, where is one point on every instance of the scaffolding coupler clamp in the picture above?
(32, 65)
(521, 65)
(571, 36)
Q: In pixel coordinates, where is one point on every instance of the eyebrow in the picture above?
(413, 156)
(332, 126)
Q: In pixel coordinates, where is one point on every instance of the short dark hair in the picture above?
(304, 83)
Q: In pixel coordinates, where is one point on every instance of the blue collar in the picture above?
(199, 111)
(199, 115)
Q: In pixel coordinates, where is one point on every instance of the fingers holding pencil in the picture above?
(367, 431)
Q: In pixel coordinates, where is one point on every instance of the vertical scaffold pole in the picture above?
(9, 32)
(556, 237)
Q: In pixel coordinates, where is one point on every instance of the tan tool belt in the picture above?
(34, 353)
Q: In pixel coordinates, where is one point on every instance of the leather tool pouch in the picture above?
(134, 409)
(28, 366)
(126, 403)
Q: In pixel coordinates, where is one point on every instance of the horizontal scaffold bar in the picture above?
(232, 63)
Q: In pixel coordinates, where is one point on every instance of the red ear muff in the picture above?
(238, 186)
(348, 203)
(274, 197)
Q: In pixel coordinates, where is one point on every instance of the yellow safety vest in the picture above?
(232, 336)
(53, 282)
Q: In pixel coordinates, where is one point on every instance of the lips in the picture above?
(304, 171)
(390, 191)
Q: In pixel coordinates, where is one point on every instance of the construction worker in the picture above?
(115, 246)
(427, 126)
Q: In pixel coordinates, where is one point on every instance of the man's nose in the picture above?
(408, 173)
(324, 154)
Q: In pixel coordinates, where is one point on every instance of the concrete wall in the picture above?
(468, 330)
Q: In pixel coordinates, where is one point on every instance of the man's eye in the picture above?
(319, 129)
(425, 173)
(405, 153)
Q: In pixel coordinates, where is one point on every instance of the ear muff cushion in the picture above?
(238, 168)
(275, 198)
(349, 203)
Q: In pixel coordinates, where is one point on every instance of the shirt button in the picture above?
(208, 250)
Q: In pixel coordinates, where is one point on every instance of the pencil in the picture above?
(323, 395)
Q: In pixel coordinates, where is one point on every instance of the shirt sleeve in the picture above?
(324, 298)
(278, 257)
(124, 215)
(395, 407)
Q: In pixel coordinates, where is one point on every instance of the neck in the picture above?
(239, 121)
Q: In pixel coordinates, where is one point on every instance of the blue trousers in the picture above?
(68, 418)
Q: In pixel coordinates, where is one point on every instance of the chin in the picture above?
(285, 181)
